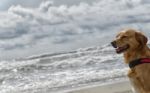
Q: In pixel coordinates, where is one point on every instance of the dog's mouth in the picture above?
(121, 49)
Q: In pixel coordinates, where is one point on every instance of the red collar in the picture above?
(136, 62)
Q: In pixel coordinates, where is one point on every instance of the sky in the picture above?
(5, 4)
(36, 27)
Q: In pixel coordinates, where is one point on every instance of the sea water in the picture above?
(52, 73)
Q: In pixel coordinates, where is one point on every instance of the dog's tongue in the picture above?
(119, 49)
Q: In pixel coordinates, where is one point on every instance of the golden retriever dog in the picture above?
(133, 45)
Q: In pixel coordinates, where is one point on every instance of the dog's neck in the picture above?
(140, 53)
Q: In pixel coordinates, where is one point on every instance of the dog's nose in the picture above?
(114, 44)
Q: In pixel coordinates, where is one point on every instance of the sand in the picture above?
(120, 87)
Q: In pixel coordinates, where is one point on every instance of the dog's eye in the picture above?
(124, 36)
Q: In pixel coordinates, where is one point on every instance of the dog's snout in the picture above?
(114, 44)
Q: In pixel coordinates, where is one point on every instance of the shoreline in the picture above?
(119, 87)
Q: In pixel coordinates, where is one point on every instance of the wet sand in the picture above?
(119, 87)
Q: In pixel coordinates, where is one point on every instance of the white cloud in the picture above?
(45, 6)
(49, 28)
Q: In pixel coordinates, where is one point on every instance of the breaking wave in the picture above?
(54, 72)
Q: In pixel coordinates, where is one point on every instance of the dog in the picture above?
(133, 45)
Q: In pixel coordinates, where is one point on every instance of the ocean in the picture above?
(53, 73)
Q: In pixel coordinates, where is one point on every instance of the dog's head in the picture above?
(129, 40)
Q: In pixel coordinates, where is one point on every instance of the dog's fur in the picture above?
(137, 48)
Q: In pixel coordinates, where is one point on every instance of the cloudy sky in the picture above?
(35, 27)
(5, 4)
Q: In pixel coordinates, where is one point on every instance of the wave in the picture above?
(53, 72)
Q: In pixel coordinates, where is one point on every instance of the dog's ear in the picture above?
(141, 38)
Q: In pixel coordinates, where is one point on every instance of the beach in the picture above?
(119, 87)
